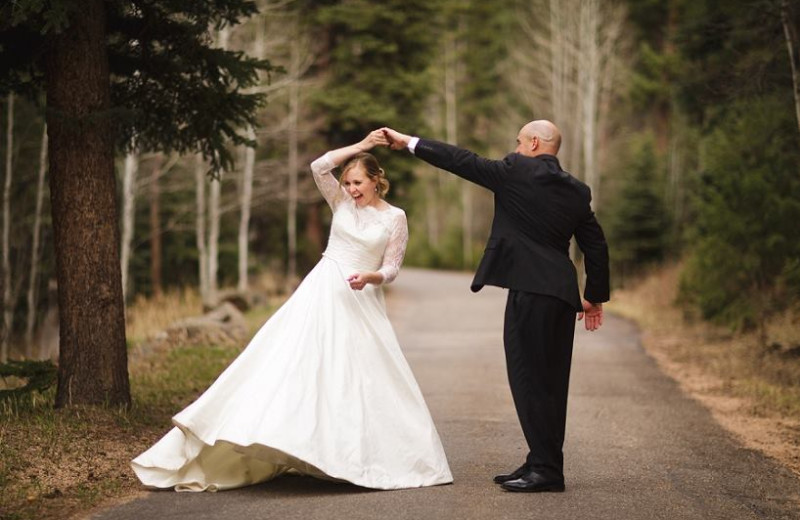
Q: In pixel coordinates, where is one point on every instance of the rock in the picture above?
(241, 301)
(223, 325)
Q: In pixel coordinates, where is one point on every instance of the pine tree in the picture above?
(377, 60)
(744, 263)
(639, 222)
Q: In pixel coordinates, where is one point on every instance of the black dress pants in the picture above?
(538, 336)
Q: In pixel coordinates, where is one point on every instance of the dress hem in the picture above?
(316, 470)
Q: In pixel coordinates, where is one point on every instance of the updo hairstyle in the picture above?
(373, 169)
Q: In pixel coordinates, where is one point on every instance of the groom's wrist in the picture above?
(412, 144)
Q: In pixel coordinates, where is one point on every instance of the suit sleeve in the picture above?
(592, 242)
(467, 165)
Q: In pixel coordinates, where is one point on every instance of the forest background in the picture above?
(682, 116)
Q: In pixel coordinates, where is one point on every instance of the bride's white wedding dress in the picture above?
(322, 389)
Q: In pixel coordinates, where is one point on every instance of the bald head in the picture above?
(539, 137)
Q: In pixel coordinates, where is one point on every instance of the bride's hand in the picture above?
(358, 281)
(373, 139)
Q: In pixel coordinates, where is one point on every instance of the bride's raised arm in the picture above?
(323, 166)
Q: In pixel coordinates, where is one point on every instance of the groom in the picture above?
(538, 208)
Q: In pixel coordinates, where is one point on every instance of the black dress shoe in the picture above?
(533, 482)
(517, 473)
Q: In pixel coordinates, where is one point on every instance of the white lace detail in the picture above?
(321, 168)
(361, 239)
(396, 248)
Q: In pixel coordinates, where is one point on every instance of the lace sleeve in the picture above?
(328, 185)
(395, 249)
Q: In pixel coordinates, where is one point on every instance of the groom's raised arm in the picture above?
(468, 165)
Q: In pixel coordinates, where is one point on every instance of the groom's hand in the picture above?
(373, 139)
(397, 141)
(593, 312)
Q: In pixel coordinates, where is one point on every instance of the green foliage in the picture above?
(54, 13)
(649, 19)
(731, 50)
(638, 222)
(653, 81)
(717, 77)
(171, 88)
(744, 262)
(483, 57)
(379, 56)
(40, 376)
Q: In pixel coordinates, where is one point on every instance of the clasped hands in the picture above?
(385, 137)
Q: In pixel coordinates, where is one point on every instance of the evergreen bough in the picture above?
(172, 89)
(40, 376)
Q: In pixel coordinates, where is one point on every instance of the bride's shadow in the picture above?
(287, 486)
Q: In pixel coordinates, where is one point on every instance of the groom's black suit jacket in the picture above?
(538, 208)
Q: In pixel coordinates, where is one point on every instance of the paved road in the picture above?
(636, 447)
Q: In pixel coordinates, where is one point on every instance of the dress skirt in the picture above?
(322, 389)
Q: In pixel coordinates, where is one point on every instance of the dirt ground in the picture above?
(709, 365)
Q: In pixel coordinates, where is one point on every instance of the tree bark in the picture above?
(590, 13)
(791, 33)
(155, 228)
(246, 202)
(291, 210)
(8, 307)
(214, 216)
(451, 77)
(200, 227)
(214, 210)
(314, 233)
(93, 356)
(35, 249)
(128, 213)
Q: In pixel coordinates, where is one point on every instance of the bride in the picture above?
(323, 388)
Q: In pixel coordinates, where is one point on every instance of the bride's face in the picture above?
(360, 186)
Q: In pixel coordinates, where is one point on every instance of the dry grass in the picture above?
(60, 463)
(753, 390)
(146, 316)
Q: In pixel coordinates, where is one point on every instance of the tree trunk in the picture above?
(93, 362)
(559, 71)
(294, 103)
(451, 75)
(8, 307)
(246, 201)
(612, 31)
(214, 215)
(433, 226)
(589, 97)
(128, 213)
(155, 228)
(200, 227)
(214, 211)
(314, 230)
(791, 32)
(35, 249)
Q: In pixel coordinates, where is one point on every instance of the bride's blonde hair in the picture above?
(373, 169)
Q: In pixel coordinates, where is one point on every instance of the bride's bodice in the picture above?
(362, 239)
